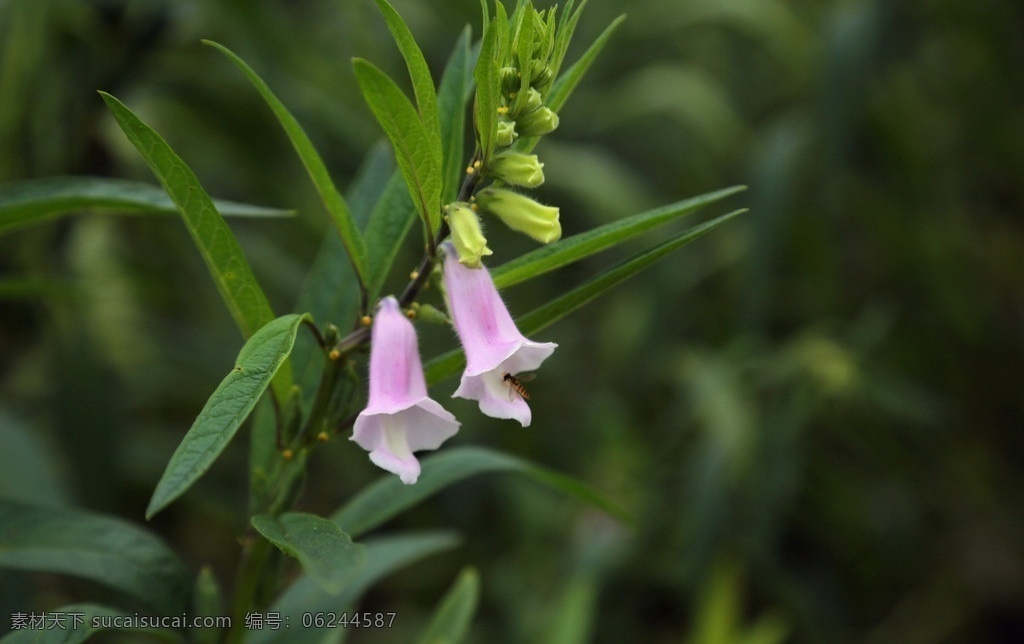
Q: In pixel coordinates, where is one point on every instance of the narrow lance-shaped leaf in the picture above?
(326, 553)
(486, 74)
(452, 619)
(572, 249)
(230, 404)
(451, 97)
(560, 307)
(315, 167)
(449, 363)
(216, 242)
(409, 137)
(34, 201)
(388, 497)
(419, 72)
(105, 550)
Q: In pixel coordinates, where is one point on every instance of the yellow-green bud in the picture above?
(506, 134)
(467, 235)
(532, 102)
(517, 169)
(538, 122)
(521, 213)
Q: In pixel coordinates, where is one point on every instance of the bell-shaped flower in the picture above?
(495, 349)
(399, 418)
(466, 233)
(521, 213)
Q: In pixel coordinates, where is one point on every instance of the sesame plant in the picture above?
(363, 378)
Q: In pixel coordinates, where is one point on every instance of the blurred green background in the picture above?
(815, 412)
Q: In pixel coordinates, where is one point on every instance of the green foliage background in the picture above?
(815, 412)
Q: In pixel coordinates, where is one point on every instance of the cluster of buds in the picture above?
(400, 418)
(525, 78)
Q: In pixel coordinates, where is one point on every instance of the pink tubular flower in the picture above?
(399, 418)
(494, 346)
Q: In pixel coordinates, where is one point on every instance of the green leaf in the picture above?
(411, 139)
(560, 307)
(216, 242)
(449, 363)
(326, 553)
(566, 83)
(332, 199)
(390, 222)
(388, 496)
(33, 201)
(451, 97)
(419, 72)
(571, 249)
(227, 408)
(105, 550)
(488, 83)
(78, 627)
(452, 619)
(383, 556)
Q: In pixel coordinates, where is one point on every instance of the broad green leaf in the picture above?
(452, 619)
(326, 553)
(419, 72)
(388, 496)
(571, 249)
(102, 549)
(449, 363)
(488, 84)
(33, 201)
(227, 408)
(216, 242)
(383, 556)
(333, 201)
(411, 139)
(451, 97)
(79, 623)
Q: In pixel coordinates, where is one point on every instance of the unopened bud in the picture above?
(521, 213)
(506, 134)
(467, 235)
(536, 123)
(510, 79)
(517, 169)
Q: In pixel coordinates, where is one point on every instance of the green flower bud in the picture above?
(467, 235)
(538, 122)
(541, 75)
(506, 135)
(517, 169)
(521, 213)
(532, 102)
(510, 79)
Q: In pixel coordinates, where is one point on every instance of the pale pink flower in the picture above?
(493, 345)
(400, 418)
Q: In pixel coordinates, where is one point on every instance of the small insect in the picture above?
(515, 384)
